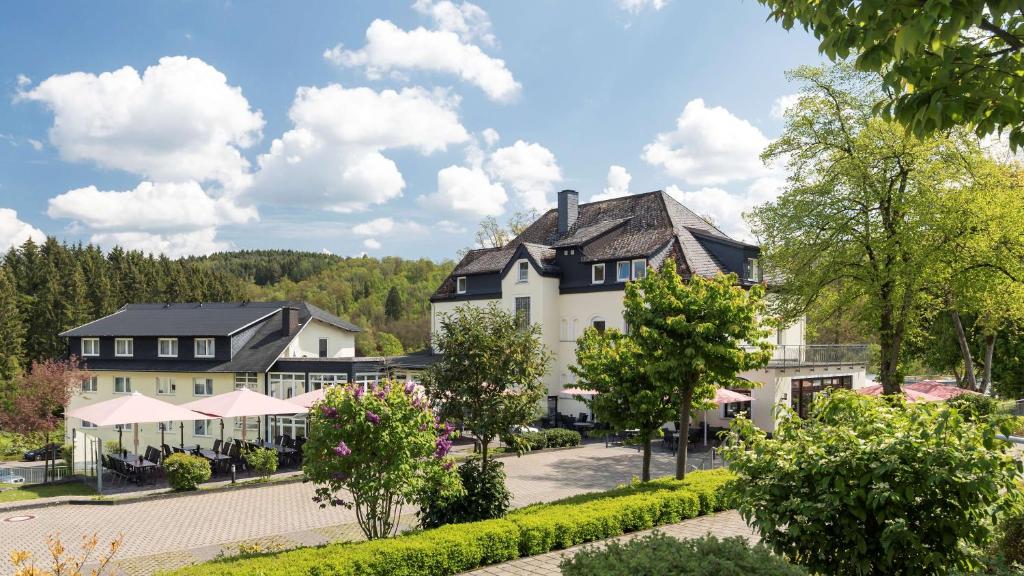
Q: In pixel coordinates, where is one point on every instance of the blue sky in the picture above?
(385, 128)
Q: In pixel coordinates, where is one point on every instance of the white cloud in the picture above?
(23, 80)
(491, 136)
(14, 232)
(374, 227)
(530, 169)
(636, 6)
(180, 120)
(371, 244)
(468, 192)
(618, 184)
(36, 144)
(332, 157)
(449, 227)
(726, 209)
(467, 20)
(710, 146)
(783, 103)
(390, 49)
(195, 243)
(149, 207)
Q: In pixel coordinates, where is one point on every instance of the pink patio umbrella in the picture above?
(309, 398)
(911, 394)
(242, 403)
(724, 396)
(134, 408)
(576, 392)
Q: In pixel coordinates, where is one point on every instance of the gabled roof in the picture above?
(196, 319)
(653, 225)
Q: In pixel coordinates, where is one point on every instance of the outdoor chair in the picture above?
(178, 450)
(278, 439)
(583, 417)
(217, 445)
(235, 454)
(166, 449)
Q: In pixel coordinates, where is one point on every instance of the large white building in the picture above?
(568, 271)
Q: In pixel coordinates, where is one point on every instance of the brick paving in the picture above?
(164, 534)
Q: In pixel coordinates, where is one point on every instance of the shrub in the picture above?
(1011, 541)
(460, 547)
(534, 440)
(658, 554)
(111, 447)
(872, 486)
(560, 437)
(262, 460)
(486, 496)
(185, 471)
(382, 448)
(67, 454)
(974, 407)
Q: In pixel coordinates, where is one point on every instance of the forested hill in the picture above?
(51, 287)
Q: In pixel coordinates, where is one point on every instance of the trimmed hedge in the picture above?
(560, 437)
(460, 547)
(185, 471)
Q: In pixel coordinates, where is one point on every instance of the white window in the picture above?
(524, 271)
(622, 271)
(90, 384)
(125, 427)
(90, 346)
(167, 347)
(597, 274)
(122, 384)
(523, 312)
(87, 424)
(165, 385)
(248, 380)
(285, 386)
(365, 379)
(201, 427)
(204, 347)
(752, 270)
(252, 426)
(318, 381)
(575, 329)
(322, 344)
(202, 386)
(124, 347)
(460, 285)
(639, 269)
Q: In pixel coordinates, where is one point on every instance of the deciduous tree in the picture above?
(696, 335)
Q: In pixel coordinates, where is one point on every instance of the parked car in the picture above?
(51, 451)
(8, 477)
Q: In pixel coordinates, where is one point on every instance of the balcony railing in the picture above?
(818, 355)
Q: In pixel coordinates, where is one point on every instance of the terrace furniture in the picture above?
(670, 440)
(217, 445)
(278, 439)
(166, 450)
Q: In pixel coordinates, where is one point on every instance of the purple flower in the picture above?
(358, 393)
(381, 393)
(448, 465)
(372, 418)
(329, 411)
(342, 449)
(423, 427)
(410, 387)
(443, 446)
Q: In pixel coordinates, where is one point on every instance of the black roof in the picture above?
(653, 225)
(197, 319)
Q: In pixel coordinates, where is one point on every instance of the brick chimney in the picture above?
(289, 320)
(568, 209)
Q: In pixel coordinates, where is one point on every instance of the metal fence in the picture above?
(819, 355)
(22, 474)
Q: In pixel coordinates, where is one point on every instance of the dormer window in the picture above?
(597, 274)
(639, 269)
(752, 270)
(524, 271)
(460, 285)
(124, 347)
(622, 271)
(167, 348)
(204, 348)
(90, 346)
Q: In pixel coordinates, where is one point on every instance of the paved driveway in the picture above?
(173, 532)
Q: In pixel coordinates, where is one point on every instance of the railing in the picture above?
(33, 474)
(818, 355)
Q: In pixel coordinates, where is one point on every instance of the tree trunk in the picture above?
(887, 342)
(986, 376)
(684, 433)
(46, 459)
(484, 442)
(645, 474)
(970, 380)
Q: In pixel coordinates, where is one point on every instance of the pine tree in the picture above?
(12, 332)
(393, 305)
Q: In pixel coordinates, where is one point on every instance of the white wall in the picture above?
(306, 344)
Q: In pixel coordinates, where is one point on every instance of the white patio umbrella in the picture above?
(134, 408)
(724, 396)
(579, 392)
(243, 403)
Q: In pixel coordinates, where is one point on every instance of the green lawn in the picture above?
(44, 491)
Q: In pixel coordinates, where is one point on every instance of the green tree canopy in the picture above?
(696, 335)
(489, 376)
(944, 62)
(613, 365)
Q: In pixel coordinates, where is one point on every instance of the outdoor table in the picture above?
(145, 467)
(215, 458)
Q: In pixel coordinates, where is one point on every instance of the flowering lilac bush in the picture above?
(377, 451)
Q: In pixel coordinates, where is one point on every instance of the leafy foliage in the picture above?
(186, 471)
(613, 364)
(489, 377)
(562, 438)
(64, 563)
(657, 554)
(383, 447)
(1011, 541)
(693, 335)
(873, 486)
(262, 460)
(946, 62)
(486, 497)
